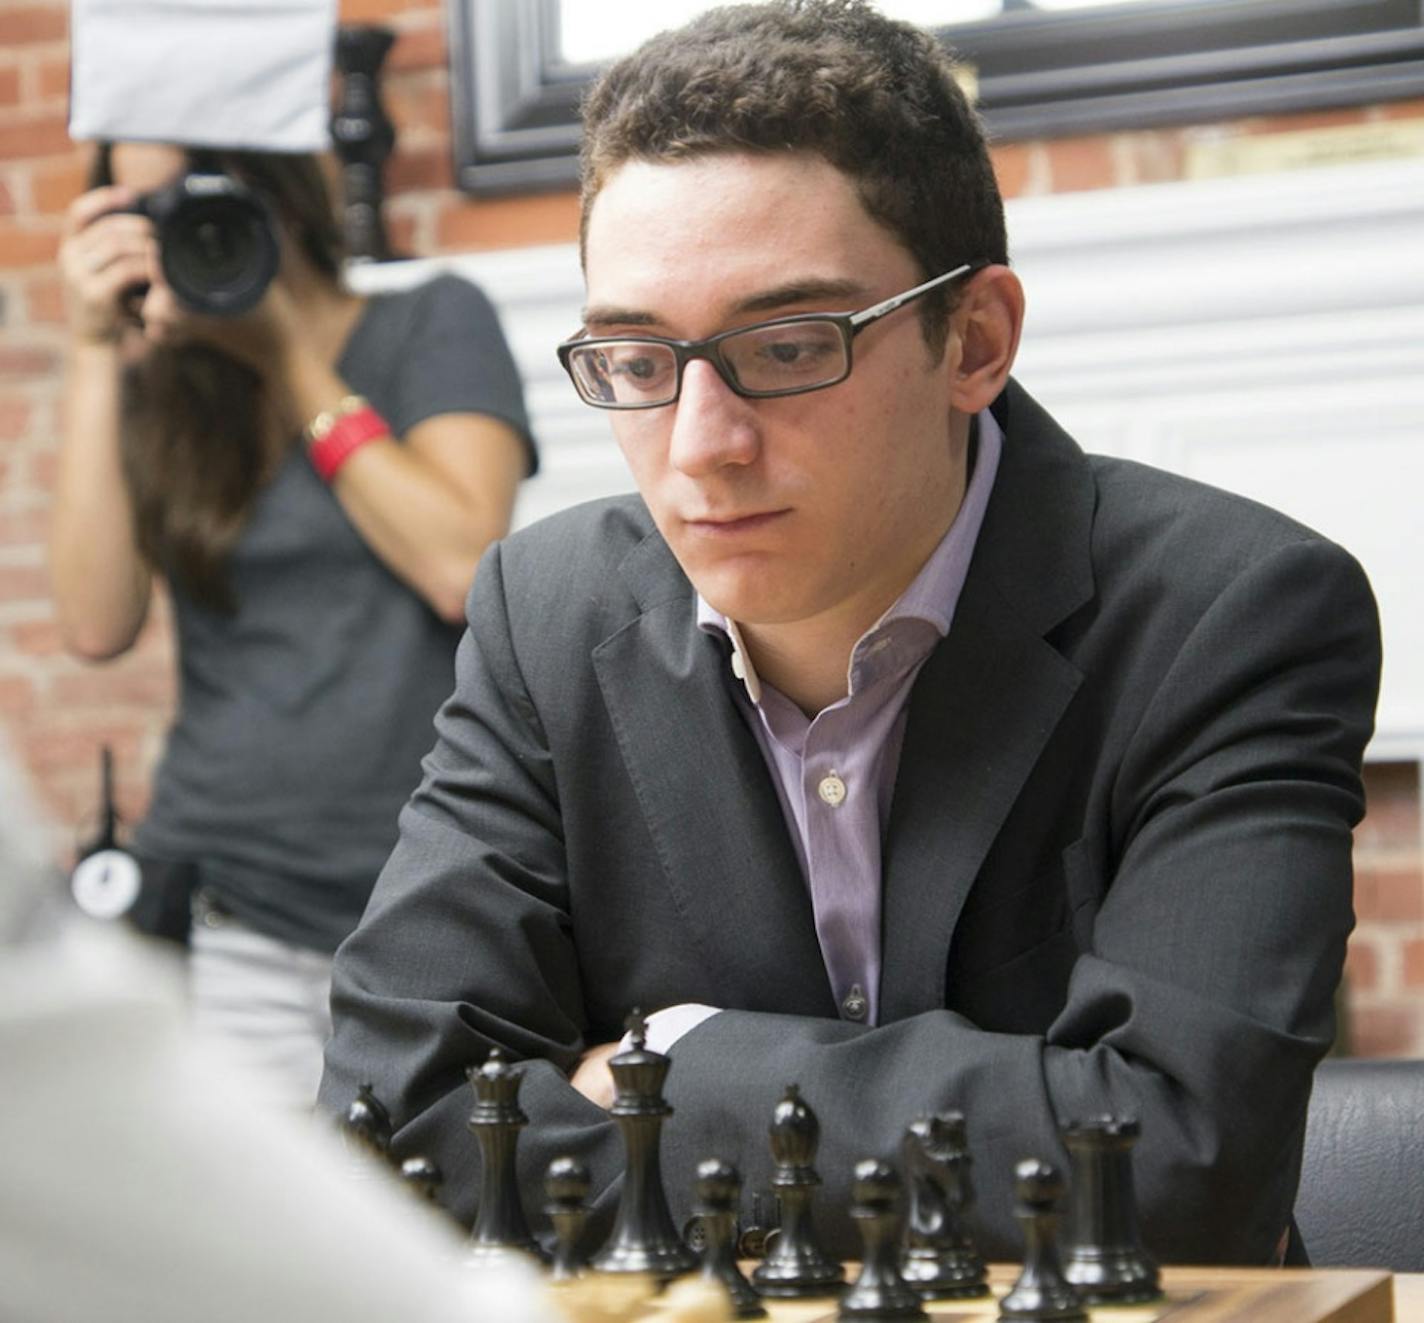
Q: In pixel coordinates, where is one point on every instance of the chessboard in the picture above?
(1190, 1295)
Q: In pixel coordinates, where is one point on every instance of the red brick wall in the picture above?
(58, 713)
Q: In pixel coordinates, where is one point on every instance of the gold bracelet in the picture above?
(319, 426)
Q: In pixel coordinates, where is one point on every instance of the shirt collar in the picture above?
(932, 594)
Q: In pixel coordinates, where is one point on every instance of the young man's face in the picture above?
(805, 509)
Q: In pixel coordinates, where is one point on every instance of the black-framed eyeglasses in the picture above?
(785, 356)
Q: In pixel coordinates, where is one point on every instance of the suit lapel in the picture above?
(707, 796)
(986, 702)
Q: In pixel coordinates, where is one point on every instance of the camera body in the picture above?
(217, 240)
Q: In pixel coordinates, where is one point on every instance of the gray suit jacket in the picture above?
(1116, 874)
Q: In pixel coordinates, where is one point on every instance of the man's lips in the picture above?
(730, 525)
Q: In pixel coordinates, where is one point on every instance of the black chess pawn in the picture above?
(718, 1188)
(795, 1263)
(644, 1239)
(566, 1185)
(500, 1227)
(1106, 1259)
(1041, 1292)
(879, 1292)
(422, 1176)
(366, 1131)
(941, 1261)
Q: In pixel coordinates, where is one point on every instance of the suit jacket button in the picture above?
(854, 1005)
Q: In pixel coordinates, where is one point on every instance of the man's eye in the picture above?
(784, 351)
(640, 369)
(801, 352)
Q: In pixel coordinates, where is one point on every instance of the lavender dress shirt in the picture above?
(835, 772)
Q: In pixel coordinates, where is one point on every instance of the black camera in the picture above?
(217, 241)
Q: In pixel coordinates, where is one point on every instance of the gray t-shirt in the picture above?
(303, 718)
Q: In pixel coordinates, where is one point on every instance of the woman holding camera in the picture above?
(314, 480)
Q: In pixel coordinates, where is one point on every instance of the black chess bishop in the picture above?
(795, 1263)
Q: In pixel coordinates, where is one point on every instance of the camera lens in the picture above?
(218, 243)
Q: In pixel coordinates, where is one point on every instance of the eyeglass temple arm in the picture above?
(899, 300)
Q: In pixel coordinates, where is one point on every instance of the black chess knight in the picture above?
(941, 1261)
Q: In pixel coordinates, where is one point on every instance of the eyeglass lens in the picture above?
(793, 356)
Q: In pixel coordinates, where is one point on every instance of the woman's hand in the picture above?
(261, 337)
(104, 254)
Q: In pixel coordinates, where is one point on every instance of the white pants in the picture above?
(263, 1003)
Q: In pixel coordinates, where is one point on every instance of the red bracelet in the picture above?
(334, 436)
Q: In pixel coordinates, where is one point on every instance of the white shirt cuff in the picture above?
(665, 1027)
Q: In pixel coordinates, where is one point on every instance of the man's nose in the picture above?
(713, 426)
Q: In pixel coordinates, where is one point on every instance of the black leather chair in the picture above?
(1361, 1200)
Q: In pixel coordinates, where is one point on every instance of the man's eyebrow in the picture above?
(767, 300)
(801, 291)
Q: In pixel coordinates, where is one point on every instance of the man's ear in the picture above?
(985, 328)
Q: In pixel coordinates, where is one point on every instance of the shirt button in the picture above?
(855, 1006)
(832, 790)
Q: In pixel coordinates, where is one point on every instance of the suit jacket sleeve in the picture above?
(466, 942)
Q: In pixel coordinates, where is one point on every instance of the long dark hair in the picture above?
(200, 431)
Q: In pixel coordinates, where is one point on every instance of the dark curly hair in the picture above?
(874, 97)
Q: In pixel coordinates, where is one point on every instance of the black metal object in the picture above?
(795, 1263)
(879, 1292)
(363, 137)
(941, 1261)
(1039, 73)
(644, 1239)
(718, 1192)
(1041, 1292)
(500, 1226)
(1106, 1259)
(566, 1186)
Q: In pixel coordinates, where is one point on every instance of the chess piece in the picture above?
(718, 1186)
(567, 1183)
(941, 1261)
(422, 1176)
(1106, 1259)
(795, 1264)
(500, 1228)
(644, 1239)
(366, 1131)
(1041, 1292)
(879, 1292)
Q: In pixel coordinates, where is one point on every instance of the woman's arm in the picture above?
(101, 582)
(428, 507)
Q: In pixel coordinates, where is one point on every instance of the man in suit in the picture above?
(885, 743)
